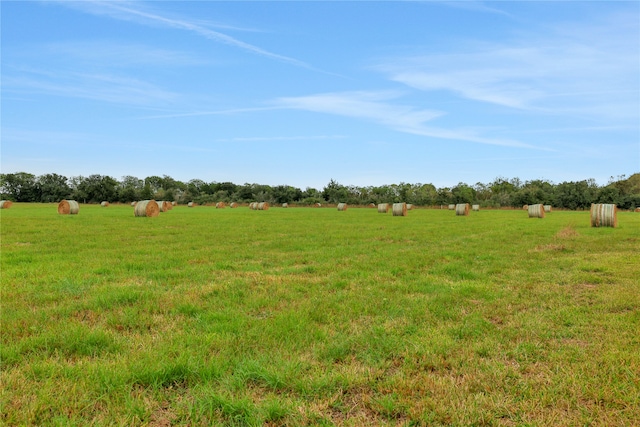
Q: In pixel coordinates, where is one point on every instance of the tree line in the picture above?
(502, 192)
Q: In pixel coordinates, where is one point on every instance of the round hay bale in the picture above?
(104, 204)
(372, 205)
(604, 215)
(191, 204)
(285, 205)
(174, 203)
(133, 203)
(263, 206)
(637, 209)
(5, 204)
(452, 207)
(342, 206)
(169, 205)
(163, 205)
(233, 205)
(383, 208)
(253, 206)
(409, 206)
(68, 207)
(318, 205)
(547, 208)
(148, 208)
(536, 211)
(462, 209)
(525, 207)
(399, 209)
(475, 208)
(220, 205)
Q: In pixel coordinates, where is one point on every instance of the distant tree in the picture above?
(502, 191)
(244, 193)
(286, 194)
(576, 195)
(263, 193)
(130, 189)
(52, 187)
(19, 187)
(608, 194)
(623, 191)
(383, 194)
(444, 196)
(311, 195)
(95, 189)
(195, 187)
(229, 187)
(334, 192)
(483, 193)
(534, 192)
(155, 184)
(462, 193)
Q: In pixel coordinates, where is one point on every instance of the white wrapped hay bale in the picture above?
(604, 215)
(536, 211)
(462, 209)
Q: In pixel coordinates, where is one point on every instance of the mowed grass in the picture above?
(305, 317)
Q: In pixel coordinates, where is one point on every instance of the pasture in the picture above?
(305, 317)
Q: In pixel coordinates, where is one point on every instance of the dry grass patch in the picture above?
(567, 233)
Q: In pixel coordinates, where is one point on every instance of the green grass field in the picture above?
(305, 317)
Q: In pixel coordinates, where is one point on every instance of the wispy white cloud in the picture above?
(103, 87)
(12, 137)
(112, 54)
(282, 138)
(474, 6)
(376, 107)
(99, 70)
(364, 105)
(132, 11)
(588, 70)
(208, 113)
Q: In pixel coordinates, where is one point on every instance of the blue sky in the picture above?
(299, 92)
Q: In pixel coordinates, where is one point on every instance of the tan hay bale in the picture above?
(637, 209)
(253, 206)
(462, 209)
(475, 208)
(399, 209)
(604, 215)
(409, 206)
(285, 205)
(547, 208)
(163, 205)
(68, 207)
(525, 207)
(452, 207)
(233, 205)
(220, 205)
(104, 204)
(148, 208)
(263, 206)
(342, 206)
(318, 205)
(372, 205)
(5, 204)
(191, 204)
(383, 208)
(174, 203)
(169, 205)
(536, 211)
(133, 203)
